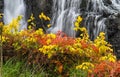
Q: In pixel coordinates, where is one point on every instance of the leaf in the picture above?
(60, 68)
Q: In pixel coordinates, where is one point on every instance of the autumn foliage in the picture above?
(59, 52)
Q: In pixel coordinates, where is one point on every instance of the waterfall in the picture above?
(64, 15)
(13, 9)
(95, 20)
(96, 13)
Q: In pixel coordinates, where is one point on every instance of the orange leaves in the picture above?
(59, 66)
(84, 44)
(96, 49)
(115, 72)
(63, 40)
(107, 69)
(59, 39)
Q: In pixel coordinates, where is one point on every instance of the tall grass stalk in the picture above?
(1, 52)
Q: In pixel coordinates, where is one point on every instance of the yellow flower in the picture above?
(48, 18)
(48, 41)
(79, 19)
(48, 49)
(79, 67)
(40, 16)
(43, 16)
(108, 57)
(83, 29)
(85, 66)
(76, 24)
(39, 31)
(1, 24)
(4, 39)
(51, 35)
(102, 49)
(1, 15)
(32, 17)
(102, 34)
(111, 58)
(103, 58)
(76, 29)
(29, 27)
(49, 25)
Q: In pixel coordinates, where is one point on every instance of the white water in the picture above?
(13, 9)
(64, 15)
(66, 11)
(96, 9)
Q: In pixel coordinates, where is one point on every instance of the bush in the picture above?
(58, 54)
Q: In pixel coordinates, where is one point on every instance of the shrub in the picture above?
(58, 53)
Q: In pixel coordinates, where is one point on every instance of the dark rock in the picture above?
(113, 29)
(1, 6)
(38, 6)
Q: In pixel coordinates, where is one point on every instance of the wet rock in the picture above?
(113, 29)
(1, 8)
(38, 6)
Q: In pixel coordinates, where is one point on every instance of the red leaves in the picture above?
(61, 40)
(115, 72)
(84, 44)
(59, 66)
(96, 49)
(108, 69)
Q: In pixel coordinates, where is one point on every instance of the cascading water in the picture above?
(95, 20)
(97, 12)
(13, 9)
(64, 15)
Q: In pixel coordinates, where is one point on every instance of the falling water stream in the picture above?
(95, 20)
(66, 11)
(64, 15)
(13, 9)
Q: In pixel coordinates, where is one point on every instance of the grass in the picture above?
(14, 68)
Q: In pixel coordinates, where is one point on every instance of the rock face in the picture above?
(38, 6)
(113, 29)
(1, 7)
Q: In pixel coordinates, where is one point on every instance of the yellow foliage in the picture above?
(1, 15)
(1, 25)
(44, 17)
(49, 25)
(48, 49)
(13, 27)
(39, 32)
(87, 66)
(110, 57)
